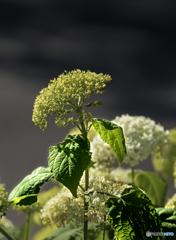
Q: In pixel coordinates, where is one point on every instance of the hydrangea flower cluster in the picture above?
(166, 162)
(171, 203)
(142, 138)
(63, 208)
(68, 90)
(121, 174)
(58, 210)
(103, 156)
(98, 192)
(3, 202)
(34, 208)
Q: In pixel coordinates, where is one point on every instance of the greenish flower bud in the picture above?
(67, 90)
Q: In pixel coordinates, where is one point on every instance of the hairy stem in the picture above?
(5, 234)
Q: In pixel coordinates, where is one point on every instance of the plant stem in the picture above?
(27, 225)
(84, 132)
(132, 171)
(104, 226)
(5, 234)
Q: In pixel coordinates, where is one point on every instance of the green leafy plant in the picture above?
(168, 218)
(88, 205)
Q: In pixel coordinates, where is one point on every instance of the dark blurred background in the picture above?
(133, 41)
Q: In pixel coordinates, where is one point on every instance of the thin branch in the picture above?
(5, 234)
(109, 194)
(90, 126)
(72, 105)
(78, 126)
(79, 100)
(81, 187)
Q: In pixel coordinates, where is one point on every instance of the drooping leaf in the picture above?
(112, 134)
(25, 192)
(95, 103)
(154, 186)
(69, 159)
(132, 215)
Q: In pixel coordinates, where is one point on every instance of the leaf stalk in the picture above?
(6, 234)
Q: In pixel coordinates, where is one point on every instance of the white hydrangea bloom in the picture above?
(121, 174)
(56, 209)
(102, 154)
(142, 137)
(96, 198)
(98, 173)
(63, 208)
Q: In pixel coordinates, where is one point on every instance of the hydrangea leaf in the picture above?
(112, 134)
(25, 192)
(154, 186)
(69, 159)
(132, 215)
(95, 103)
(168, 218)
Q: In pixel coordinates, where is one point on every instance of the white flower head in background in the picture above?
(103, 156)
(142, 137)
